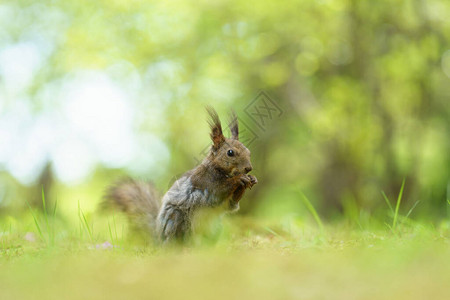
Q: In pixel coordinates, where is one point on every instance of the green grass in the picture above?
(349, 264)
(289, 258)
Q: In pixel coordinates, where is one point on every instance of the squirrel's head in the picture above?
(228, 154)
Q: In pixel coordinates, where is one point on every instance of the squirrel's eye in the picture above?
(230, 152)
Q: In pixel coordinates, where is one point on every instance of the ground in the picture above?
(339, 261)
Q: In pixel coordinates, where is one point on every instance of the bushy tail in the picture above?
(138, 200)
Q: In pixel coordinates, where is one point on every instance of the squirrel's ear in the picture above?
(216, 128)
(234, 126)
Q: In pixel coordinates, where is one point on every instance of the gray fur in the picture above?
(179, 206)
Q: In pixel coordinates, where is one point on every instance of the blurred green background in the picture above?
(339, 100)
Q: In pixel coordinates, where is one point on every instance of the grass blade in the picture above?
(44, 207)
(115, 227)
(54, 208)
(389, 226)
(387, 202)
(36, 222)
(80, 220)
(110, 233)
(412, 208)
(313, 211)
(84, 222)
(397, 206)
(271, 231)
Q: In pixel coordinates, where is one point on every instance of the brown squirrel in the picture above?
(218, 182)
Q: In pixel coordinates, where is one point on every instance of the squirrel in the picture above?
(218, 182)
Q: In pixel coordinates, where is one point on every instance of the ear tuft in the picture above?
(234, 126)
(216, 128)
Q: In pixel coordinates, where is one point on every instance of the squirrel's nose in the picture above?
(248, 169)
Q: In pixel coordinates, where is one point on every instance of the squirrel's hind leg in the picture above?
(174, 225)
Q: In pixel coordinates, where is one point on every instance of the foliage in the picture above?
(362, 88)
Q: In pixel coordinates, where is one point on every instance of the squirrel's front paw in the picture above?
(245, 181)
(248, 181)
(253, 180)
